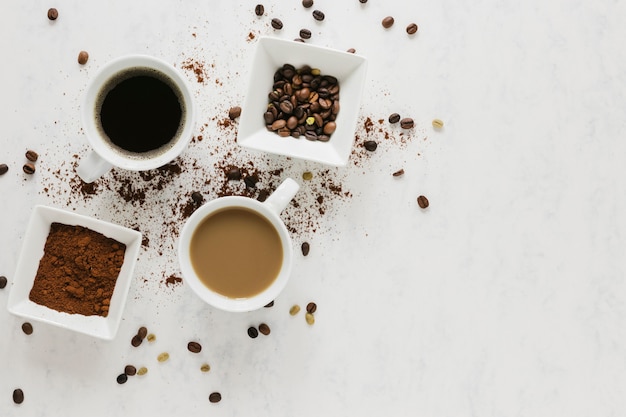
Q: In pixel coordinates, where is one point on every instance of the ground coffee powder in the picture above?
(78, 271)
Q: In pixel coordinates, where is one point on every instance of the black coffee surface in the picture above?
(141, 113)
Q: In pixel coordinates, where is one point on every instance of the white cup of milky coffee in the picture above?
(138, 114)
(235, 253)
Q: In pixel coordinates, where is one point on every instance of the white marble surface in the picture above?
(506, 297)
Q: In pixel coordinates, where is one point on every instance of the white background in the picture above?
(506, 297)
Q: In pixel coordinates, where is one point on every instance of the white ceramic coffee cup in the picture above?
(270, 209)
(104, 155)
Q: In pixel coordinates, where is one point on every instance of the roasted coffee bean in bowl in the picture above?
(74, 272)
(302, 101)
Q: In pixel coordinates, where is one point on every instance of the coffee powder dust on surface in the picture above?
(78, 271)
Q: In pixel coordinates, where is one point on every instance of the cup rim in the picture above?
(213, 298)
(103, 74)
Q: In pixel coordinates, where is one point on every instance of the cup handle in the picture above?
(285, 192)
(92, 167)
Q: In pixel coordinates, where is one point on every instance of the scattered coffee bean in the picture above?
(263, 194)
(394, 118)
(370, 145)
(388, 22)
(307, 3)
(362, 1)
(411, 29)
(270, 304)
(305, 34)
(83, 57)
(259, 10)
(194, 347)
(163, 357)
(318, 15)
(215, 397)
(18, 396)
(299, 40)
(277, 23)
(136, 340)
(307, 175)
(264, 329)
(27, 328)
(398, 173)
(205, 367)
(311, 307)
(197, 198)
(310, 318)
(251, 181)
(422, 201)
(437, 123)
(3, 169)
(234, 174)
(305, 248)
(130, 370)
(407, 123)
(3, 282)
(252, 332)
(142, 332)
(351, 51)
(29, 168)
(53, 13)
(122, 378)
(234, 112)
(142, 371)
(151, 337)
(295, 309)
(31, 155)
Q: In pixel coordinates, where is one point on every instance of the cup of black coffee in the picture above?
(138, 114)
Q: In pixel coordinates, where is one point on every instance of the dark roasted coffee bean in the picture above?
(292, 122)
(53, 13)
(197, 198)
(18, 396)
(299, 40)
(194, 347)
(269, 117)
(311, 307)
(323, 138)
(318, 15)
(411, 29)
(388, 22)
(305, 34)
(136, 340)
(122, 378)
(142, 332)
(310, 135)
(259, 10)
(3, 169)
(284, 132)
(234, 174)
(277, 23)
(363, 1)
(27, 328)
(398, 173)
(83, 57)
(3, 282)
(251, 181)
(370, 145)
(215, 397)
(307, 3)
(29, 168)
(422, 201)
(270, 304)
(31, 155)
(264, 329)
(130, 370)
(351, 50)
(394, 118)
(234, 112)
(279, 124)
(286, 107)
(305, 247)
(407, 123)
(253, 332)
(263, 194)
(329, 128)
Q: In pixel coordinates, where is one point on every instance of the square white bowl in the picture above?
(271, 54)
(28, 264)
